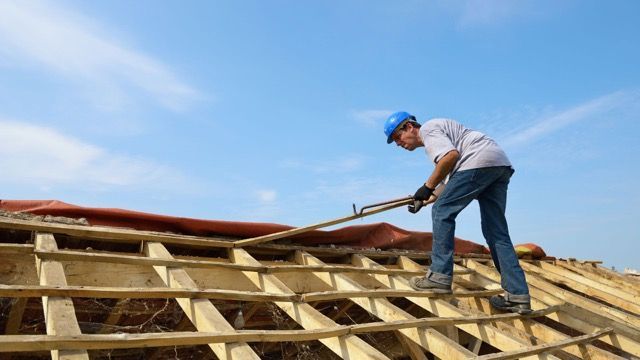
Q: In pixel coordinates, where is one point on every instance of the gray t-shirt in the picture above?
(477, 150)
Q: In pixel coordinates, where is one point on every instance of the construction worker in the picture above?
(473, 167)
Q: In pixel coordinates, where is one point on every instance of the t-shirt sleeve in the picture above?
(436, 143)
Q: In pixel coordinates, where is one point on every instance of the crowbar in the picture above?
(371, 209)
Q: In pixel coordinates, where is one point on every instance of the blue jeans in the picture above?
(488, 186)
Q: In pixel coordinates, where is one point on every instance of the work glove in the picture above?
(422, 194)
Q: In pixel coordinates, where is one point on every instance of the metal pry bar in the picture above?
(355, 212)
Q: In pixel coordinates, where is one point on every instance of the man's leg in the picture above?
(459, 192)
(493, 201)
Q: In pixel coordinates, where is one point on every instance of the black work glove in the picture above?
(422, 194)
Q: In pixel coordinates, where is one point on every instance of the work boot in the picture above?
(421, 283)
(500, 303)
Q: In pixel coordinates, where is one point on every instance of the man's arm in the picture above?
(443, 167)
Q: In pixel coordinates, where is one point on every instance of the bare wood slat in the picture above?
(570, 297)
(119, 341)
(16, 248)
(485, 332)
(113, 234)
(204, 316)
(70, 255)
(544, 348)
(429, 339)
(59, 313)
(345, 346)
(576, 317)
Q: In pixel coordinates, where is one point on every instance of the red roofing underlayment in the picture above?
(380, 235)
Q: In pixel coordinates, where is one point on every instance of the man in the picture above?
(473, 167)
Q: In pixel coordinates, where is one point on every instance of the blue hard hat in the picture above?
(393, 121)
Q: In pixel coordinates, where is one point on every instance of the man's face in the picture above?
(407, 137)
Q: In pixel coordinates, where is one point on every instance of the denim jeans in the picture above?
(488, 186)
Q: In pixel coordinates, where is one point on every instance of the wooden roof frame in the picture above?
(600, 305)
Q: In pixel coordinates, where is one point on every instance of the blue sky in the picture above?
(272, 110)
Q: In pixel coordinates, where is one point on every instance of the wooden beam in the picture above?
(345, 346)
(547, 334)
(429, 339)
(576, 317)
(579, 283)
(204, 316)
(112, 234)
(545, 348)
(572, 298)
(114, 316)
(389, 293)
(21, 291)
(16, 248)
(475, 345)
(59, 314)
(15, 316)
(71, 255)
(619, 285)
(410, 348)
(23, 343)
(485, 332)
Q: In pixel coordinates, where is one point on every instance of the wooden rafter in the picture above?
(204, 316)
(59, 313)
(306, 288)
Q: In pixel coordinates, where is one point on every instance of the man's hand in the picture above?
(415, 207)
(422, 194)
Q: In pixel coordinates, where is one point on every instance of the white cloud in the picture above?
(69, 44)
(267, 196)
(344, 164)
(371, 118)
(555, 122)
(44, 157)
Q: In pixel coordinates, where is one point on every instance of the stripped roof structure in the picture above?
(80, 292)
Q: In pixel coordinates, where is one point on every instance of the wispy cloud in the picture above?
(370, 118)
(555, 122)
(67, 43)
(344, 164)
(44, 157)
(267, 196)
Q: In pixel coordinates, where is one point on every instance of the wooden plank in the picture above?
(386, 293)
(59, 313)
(410, 348)
(544, 348)
(204, 316)
(345, 346)
(548, 334)
(15, 316)
(16, 248)
(22, 343)
(112, 234)
(321, 251)
(71, 255)
(619, 285)
(556, 292)
(576, 317)
(114, 316)
(486, 332)
(577, 282)
(20, 291)
(429, 339)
